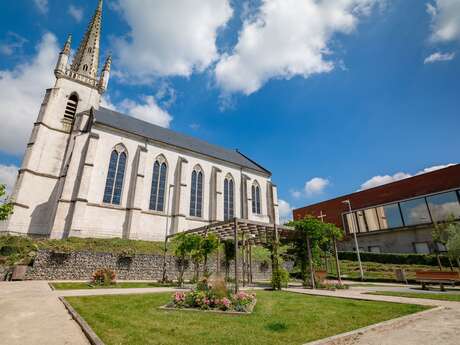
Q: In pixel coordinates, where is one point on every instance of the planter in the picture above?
(19, 272)
(218, 311)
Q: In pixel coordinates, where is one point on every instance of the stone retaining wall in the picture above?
(81, 265)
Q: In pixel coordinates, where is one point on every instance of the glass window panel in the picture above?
(162, 188)
(154, 192)
(253, 192)
(119, 179)
(422, 248)
(199, 196)
(226, 217)
(351, 221)
(374, 249)
(415, 212)
(443, 206)
(258, 211)
(110, 177)
(371, 219)
(231, 212)
(361, 221)
(389, 216)
(193, 195)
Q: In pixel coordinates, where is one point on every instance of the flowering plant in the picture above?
(103, 276)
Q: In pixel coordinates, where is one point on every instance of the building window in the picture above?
(440, 247)
(371, 219)
(157, 195)
(389, 216)
(374, 249)
(229, 212)
(443, 206)
(71, 107)
(422, 247)
(85, 68)
(361, 221)
(115, 176)
(256, 199)
(350, 219)
(415, 212)
(196, 194)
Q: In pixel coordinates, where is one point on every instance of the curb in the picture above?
(87, 330)
(344, 336)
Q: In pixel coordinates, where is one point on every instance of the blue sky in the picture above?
(331, 96)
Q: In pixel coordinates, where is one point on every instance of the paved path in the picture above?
(438, 326)
(31, 314)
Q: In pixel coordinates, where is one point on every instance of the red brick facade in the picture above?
(436, 181)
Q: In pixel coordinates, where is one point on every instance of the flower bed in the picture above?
(213, 297)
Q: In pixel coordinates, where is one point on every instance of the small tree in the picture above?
(209, 245)
(183, 247)
(453, 242)
(6, 208)
(196, 254)
(229, 255)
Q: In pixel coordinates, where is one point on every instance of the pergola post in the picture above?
(337, 263)
(250, 264)
(218, 257)
(235, 236)
(243, 259)
(312, 274)
(163, 279)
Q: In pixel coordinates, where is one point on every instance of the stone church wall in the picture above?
(81, 265)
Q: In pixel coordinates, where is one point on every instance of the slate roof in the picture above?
(148, 130)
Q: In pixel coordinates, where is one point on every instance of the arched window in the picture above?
(90, 50)
(115, 176)
(71, 107)
(157, 195)
(229, 211)
(85, 68)
(196, 193)
(256, 198)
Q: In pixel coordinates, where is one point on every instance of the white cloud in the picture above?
(170, 37)
(384, 179)
(285, 211)
(42, 5)
(445, 20)
(76, 13)
(21, 92)
(316, 186)
(287, 38)
(8, 174)
(12, 43)
(436, 57)
(147, 110)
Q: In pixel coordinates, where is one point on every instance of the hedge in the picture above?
(398, 259)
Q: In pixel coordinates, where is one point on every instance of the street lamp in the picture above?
(356, 239)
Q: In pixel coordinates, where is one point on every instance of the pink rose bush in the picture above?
(205, 297)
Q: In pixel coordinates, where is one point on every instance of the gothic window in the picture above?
(85, 68)
(256, 198)
(157, 195)
(229, 212)
(196, 193)
(115, 176)
(90, 50)
(71, 107)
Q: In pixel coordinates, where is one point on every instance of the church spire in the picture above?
(86, 60)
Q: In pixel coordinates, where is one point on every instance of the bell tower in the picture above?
(77, 89)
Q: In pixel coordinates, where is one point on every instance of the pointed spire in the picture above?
(86, 60)
(66, 48)
(105, 75)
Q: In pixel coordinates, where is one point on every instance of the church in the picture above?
(92, 172)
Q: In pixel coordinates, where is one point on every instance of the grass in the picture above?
(120, 285)
(437, 296)
(374, 271)
(278, 318)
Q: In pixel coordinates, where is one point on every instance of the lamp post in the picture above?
(356, 240)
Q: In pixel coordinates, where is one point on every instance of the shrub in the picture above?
(280, 277)
(399, 259)
(103, 276)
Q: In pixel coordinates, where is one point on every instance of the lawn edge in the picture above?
(372, 293)
(359, 331)
(87, 330)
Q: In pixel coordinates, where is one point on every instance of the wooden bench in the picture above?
(436, 277)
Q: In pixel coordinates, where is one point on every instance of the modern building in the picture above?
(397, 217)
(93, 172)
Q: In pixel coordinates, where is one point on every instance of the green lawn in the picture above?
(278, 318)
(438, 296)
(122, 285)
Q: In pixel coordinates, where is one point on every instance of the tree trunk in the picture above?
(310, 259)
(439, 261)
(458, 264)
(337, 262)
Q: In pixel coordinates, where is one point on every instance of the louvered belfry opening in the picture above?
(71, 108)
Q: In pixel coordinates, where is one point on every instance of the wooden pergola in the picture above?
(244, 233)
